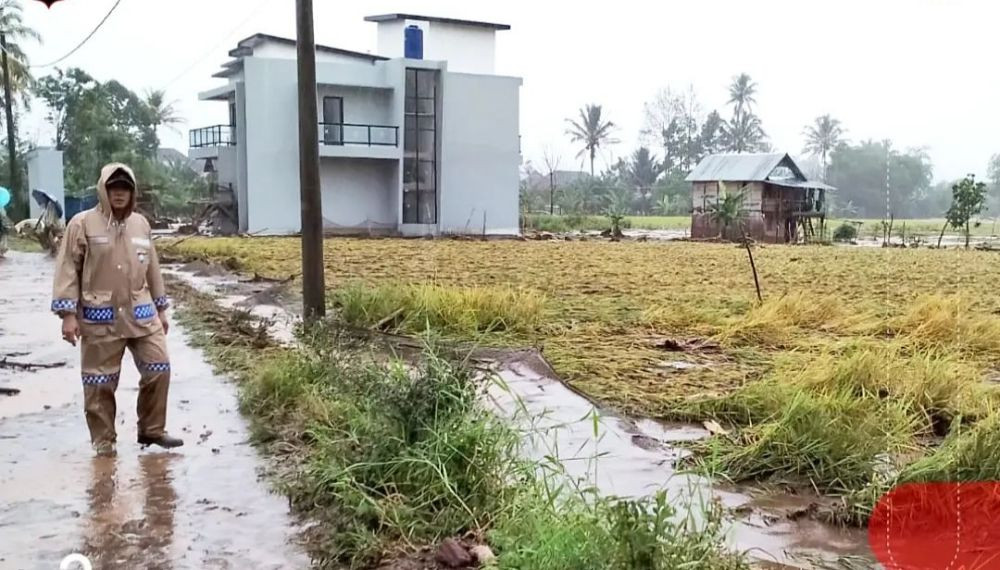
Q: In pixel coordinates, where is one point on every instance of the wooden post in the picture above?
(313, 286)
(753, 266)
(15, 184)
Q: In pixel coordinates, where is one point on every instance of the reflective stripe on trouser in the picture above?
(101, 363)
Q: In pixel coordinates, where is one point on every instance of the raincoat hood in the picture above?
(102, 188)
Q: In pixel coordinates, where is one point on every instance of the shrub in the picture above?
(845, 232)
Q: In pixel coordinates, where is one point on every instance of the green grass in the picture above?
(418, 308)
(573, 222)
(392, 456)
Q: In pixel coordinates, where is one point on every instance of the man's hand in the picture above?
(70, 329)
(164, 322)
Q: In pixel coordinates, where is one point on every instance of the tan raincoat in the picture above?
(107, 273)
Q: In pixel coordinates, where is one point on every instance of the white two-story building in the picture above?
(418, 145)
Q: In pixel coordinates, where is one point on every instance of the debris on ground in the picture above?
(684, 345)
(27, 366)
(453, 554)
(9, 391)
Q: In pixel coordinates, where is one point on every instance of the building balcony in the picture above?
(206, 141)
(353, 140)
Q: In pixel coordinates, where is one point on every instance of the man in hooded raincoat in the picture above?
(109, 292)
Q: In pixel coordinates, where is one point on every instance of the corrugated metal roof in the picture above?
(736, 167)
(803, 184)
(752, 168)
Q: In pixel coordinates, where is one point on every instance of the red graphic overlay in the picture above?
(48, 3)
(938, 526)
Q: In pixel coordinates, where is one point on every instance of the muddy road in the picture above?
(203, 505)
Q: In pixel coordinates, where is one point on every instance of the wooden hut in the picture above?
(780, 204)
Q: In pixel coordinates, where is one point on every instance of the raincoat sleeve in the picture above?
(155, 279)
(69, 264)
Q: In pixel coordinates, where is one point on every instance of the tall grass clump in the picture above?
(936, 321)
(418, 308)
(931, 384)
(779, 322)
(833, 440)
(394, 455)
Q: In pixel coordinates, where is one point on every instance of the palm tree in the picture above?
(163, 112)
(742, 93)
(15, 32)
(641, 173)
(822, 137)
(744, 133)
(592, 131)
(728, 210)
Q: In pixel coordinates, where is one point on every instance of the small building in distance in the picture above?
(780, 204)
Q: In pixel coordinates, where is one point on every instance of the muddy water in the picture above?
(202, 506)
(634, 458)
(620, 456)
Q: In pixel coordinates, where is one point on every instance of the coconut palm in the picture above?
(592, 131)
(742, 94)
(15, 33)
(821, 138)
(163, 112)
(744, 133)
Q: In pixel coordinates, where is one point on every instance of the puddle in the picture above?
(633, 457)
(202, 506)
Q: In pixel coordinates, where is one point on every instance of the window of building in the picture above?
(420, 147)
(333, 120)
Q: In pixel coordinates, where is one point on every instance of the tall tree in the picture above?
(592, 131)
(552, 165)
(744, 131)
(711, 134)
(164, 113)
(16, 79)
(641, 173)
(821, 138)
(742, 94)
(15, 32)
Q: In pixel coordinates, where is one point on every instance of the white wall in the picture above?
(361, 105)
(272, 146)
(391, 37)
(45, 172)
(480, 155)
(358, 194)
(467, 49)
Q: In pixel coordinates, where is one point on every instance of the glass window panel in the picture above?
(425, 144)
(425, 83)
(411, 82)
(426, 123)
(411, 208)
(426, 175)
(409, 170)
(424, 106)
(428, 207)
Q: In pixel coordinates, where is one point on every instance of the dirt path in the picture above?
(200, 507)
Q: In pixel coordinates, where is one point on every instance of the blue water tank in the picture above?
(414, 45)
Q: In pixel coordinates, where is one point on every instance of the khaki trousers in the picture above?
(101, 364)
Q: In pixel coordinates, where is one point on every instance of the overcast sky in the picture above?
(917, 71)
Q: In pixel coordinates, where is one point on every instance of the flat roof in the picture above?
(246, 45)
(398, 16)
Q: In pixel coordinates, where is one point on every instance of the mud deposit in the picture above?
(202, 506)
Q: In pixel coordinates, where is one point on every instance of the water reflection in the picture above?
(131, 523)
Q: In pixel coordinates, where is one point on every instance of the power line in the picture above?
(85, 40)
(207, 53)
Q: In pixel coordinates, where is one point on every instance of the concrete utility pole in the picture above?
(21, 202)
(313, 287)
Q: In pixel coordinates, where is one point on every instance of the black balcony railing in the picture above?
(216, 135)
(339, 134)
